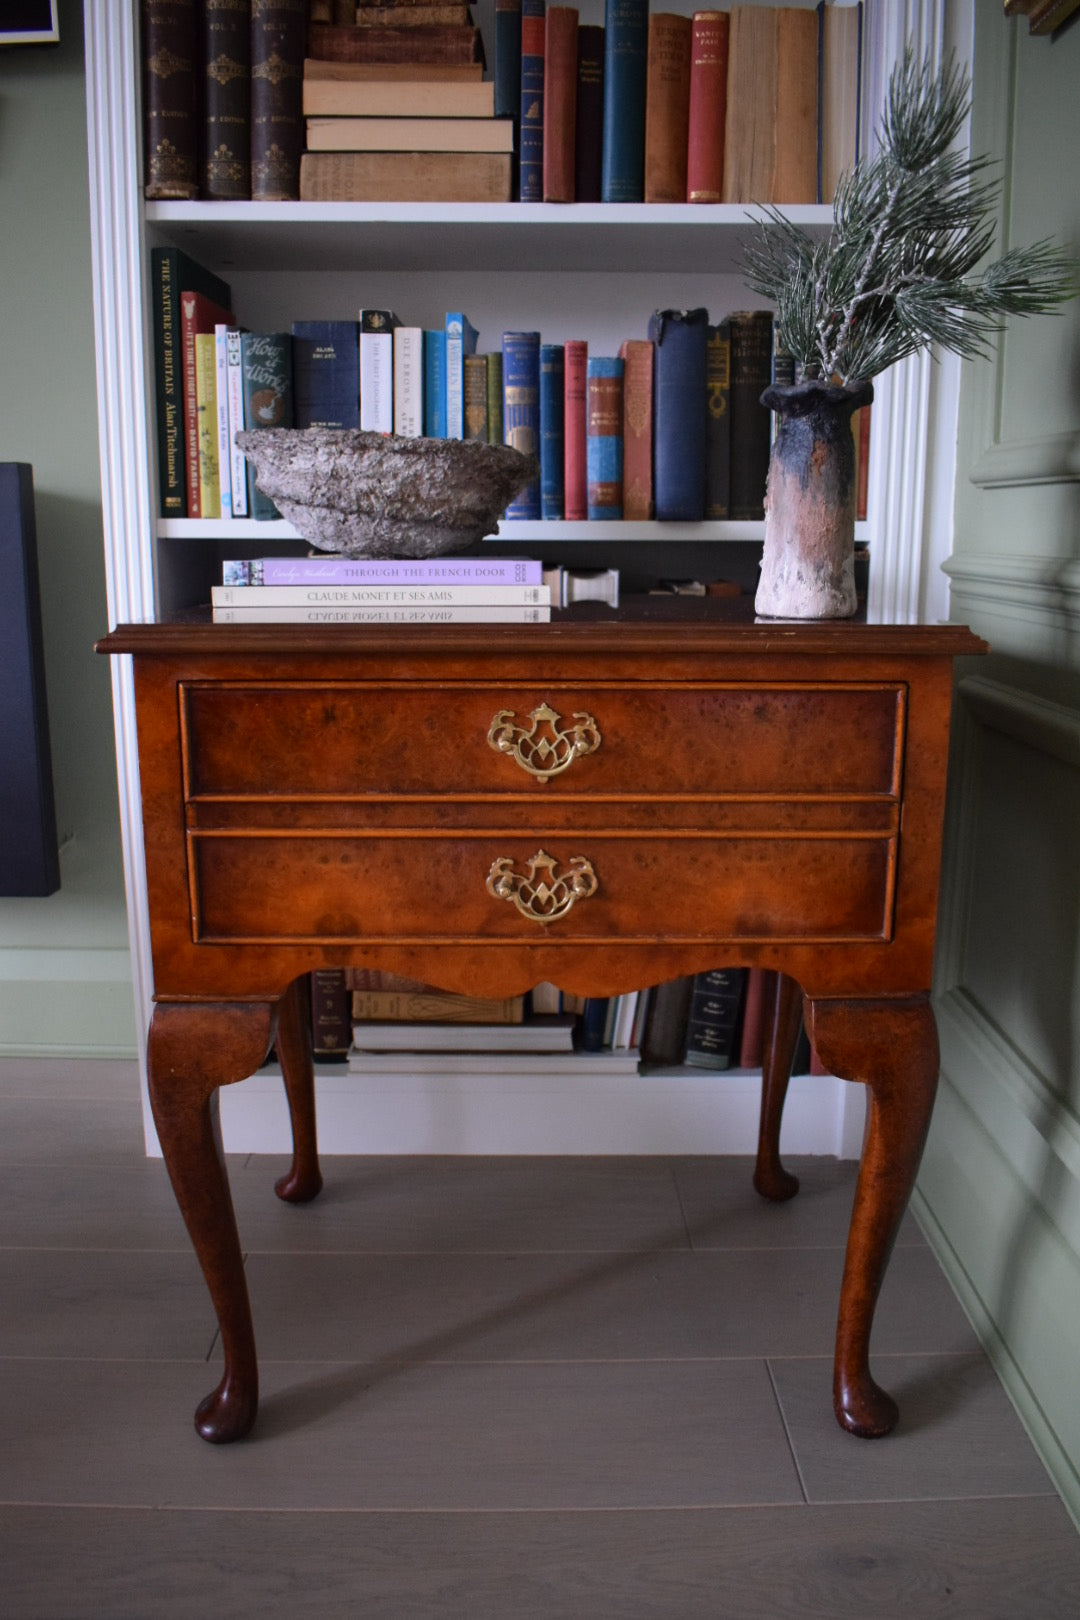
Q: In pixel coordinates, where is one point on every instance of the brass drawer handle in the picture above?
(545, 747)
(542, 894)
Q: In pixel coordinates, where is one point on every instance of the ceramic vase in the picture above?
(808, 563)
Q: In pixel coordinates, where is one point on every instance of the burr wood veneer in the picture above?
(605, 801)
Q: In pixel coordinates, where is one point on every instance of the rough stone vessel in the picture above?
(808, 562)
(377, 495)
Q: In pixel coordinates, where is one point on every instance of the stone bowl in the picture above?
(377, 495)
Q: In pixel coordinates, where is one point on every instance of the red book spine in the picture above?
(638, 503)
(574, 386)
(708, 106)
(197, 314)
(560, 102)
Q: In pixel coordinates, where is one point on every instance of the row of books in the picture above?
(716, 1020)
(328, 101)
(756, 104)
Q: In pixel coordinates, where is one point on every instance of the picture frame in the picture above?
(29, 22)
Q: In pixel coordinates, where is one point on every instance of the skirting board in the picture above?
(664, 1112)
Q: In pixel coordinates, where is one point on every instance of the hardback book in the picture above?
(432, 1007)
(476, 397)
(409, 135)
(29, 848)
(331, 1020)
(266, 363)
(226, 70)
(170, 271)
(575, 473)
(560, 102)
(783, 361)
(751, 372)
(507, 73)
(461, 339)
(198, 314)
(234, 391)
(531, 124)
(410, 16)
(354, 613)
(840, 83)
(326, 374)
(405, 177)
(589, 122)
(221, 418)
(278, 29)
(758, 1002)
(667, 106)
(521, 410)
(377, 370)
(493, 364)
(432, 73)
(170, 59)
(860, 428)
(435, 384)
(409, 382)
(626, 29)
(707, 114)
(533, 1035)
(679, 413)
(637, 429)
(603, 435)
(207, 424)
(442, 42)
(718, 421)
(552, 418)
(335, 570)
(397, 98)
(770, 138)
(712, 1022)
(663, 1039)
(593, 1023)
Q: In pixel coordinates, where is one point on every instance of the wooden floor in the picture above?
(492, 1388)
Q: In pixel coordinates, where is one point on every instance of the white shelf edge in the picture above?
(547, 215)
(550, 530)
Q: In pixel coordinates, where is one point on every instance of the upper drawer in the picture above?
(355, 738)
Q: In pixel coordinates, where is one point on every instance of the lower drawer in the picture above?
(268, 887)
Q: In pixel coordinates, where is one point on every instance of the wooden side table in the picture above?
(606, 801)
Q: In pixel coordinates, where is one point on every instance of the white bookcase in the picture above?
(593, 271)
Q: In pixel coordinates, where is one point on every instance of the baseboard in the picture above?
(671, 1111)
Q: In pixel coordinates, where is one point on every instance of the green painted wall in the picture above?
(65, 976)
(999, 1192)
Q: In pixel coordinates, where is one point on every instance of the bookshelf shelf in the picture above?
(526, 532)
(563, 237)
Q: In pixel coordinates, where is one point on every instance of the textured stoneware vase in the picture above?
(808, 564)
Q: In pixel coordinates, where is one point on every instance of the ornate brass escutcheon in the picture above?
(545, 747)
(542, 894)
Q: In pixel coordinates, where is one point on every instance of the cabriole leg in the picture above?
(293, 1044)
(892, 1046)
(194, 1048)
(783, 1021)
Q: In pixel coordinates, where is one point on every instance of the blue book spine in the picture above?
(326, 374)
(460, 340)
(626, 35)
(680, 404)
(266, 366)
(603, 435)
(552, 442)
(531, 153)
(507, 73)
(521, 410)
(435, 385)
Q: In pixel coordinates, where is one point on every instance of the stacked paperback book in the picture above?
(345, 590)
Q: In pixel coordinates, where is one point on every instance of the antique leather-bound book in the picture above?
(278, 32)
(405, 177)
(589, 132)
(575, 490)
(603, 441)
(637, 355)
(626, 32)
(708, 106)
(560, 102)
(679, 413)
(751, 372)
(436, 42)
(667, 106)
(170, 52)
(226, 156)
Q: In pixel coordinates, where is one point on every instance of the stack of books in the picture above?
(346, 590)
(395, 109)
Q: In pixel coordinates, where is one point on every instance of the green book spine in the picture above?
(494, 397)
